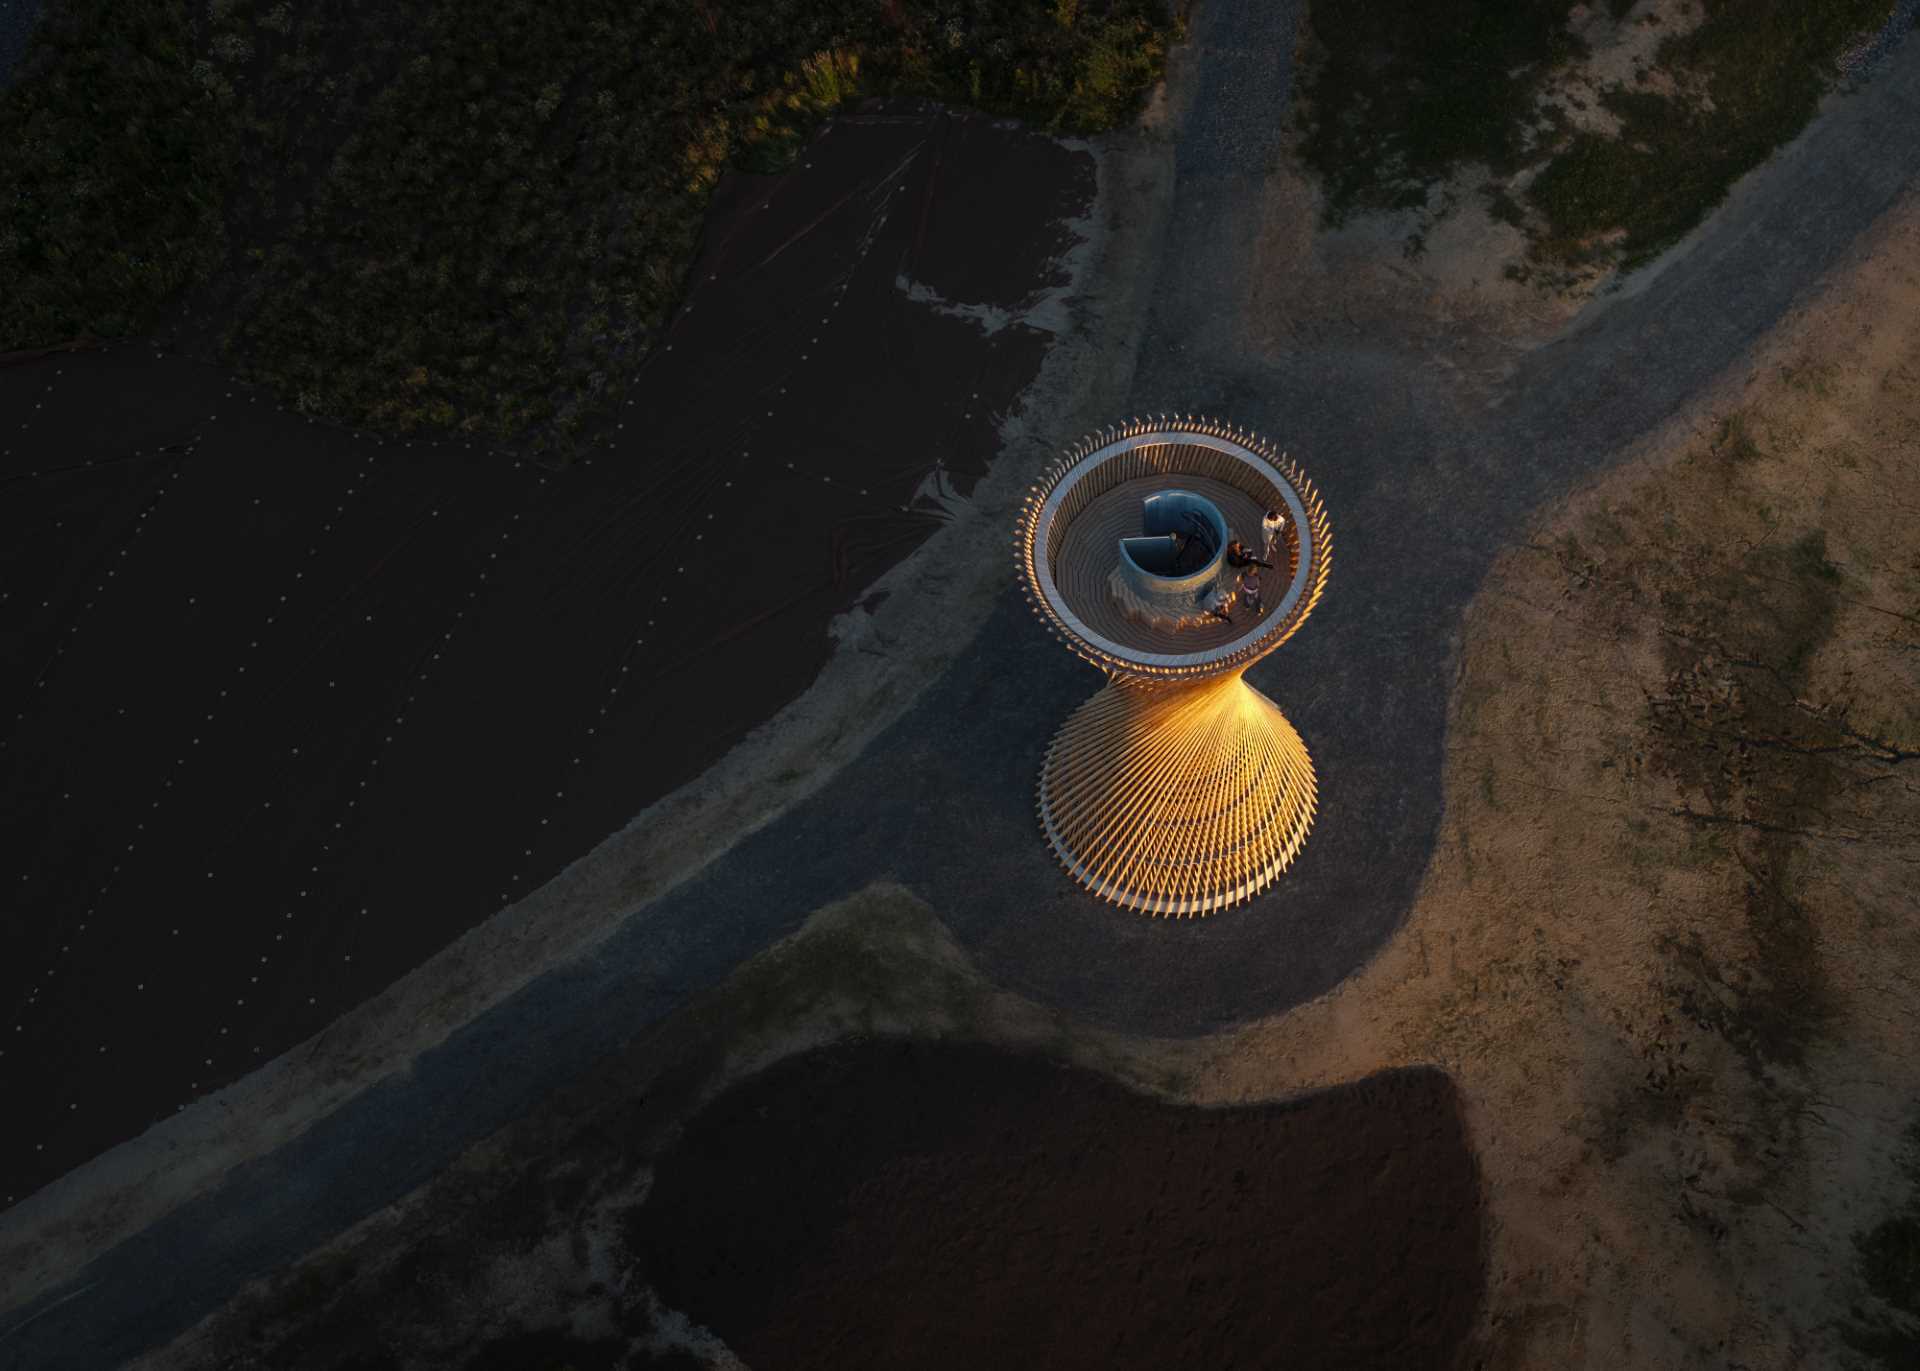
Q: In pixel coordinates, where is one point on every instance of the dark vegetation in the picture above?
(113, 169)
(1404, 94)
(431, 217)
(1401, 93)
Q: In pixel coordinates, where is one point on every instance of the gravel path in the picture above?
(1423, 495)
(17, 18)
(1865, 58)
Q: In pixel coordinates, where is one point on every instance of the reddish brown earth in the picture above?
(284, 709)
(895, 1203)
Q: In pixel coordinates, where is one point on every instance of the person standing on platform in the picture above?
(1271, 526)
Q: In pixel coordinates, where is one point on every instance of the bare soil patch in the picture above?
(947, 1206)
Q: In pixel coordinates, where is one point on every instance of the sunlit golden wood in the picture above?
(1178, 789)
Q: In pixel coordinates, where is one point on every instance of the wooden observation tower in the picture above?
(1178, 789)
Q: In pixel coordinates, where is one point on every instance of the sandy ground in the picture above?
(1667, 943)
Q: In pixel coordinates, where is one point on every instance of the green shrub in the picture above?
(1750, 77)
(1402, 94)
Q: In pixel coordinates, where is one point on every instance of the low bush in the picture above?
(1746, 81)
(1403, 94)
(116, 158)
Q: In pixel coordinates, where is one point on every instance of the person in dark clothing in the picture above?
(1193, 546)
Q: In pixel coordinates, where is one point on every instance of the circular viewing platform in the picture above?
(1074, 519)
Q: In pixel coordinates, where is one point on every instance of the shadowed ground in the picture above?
(914, 1204)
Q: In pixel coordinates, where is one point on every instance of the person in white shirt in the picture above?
(1271, 526)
